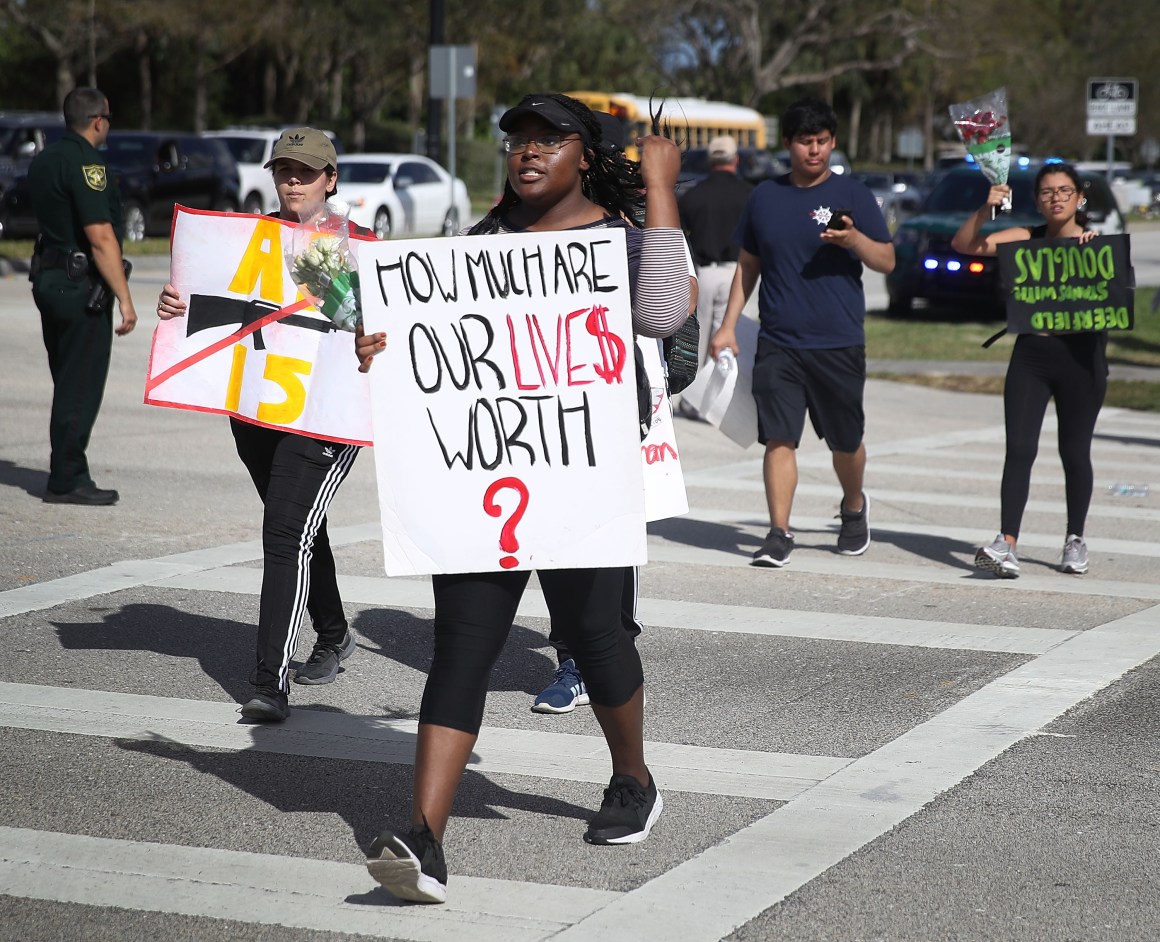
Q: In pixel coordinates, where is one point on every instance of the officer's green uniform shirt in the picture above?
(70, 189)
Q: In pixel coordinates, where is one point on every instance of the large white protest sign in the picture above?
(504, 405)
(664, 482)
(250, 345)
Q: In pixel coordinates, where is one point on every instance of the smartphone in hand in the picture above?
(838, 218)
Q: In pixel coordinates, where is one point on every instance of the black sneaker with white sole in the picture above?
(322, 665)
(628, 812)
(774, 552)
(267, 705)
(854, 537)
(410, 865)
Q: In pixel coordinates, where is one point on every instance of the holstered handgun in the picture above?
(100, 295)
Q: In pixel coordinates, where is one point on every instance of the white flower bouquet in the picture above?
(322, 264)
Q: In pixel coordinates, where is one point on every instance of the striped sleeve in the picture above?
(660, 304)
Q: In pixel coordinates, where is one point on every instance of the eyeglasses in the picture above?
(545, 143)
(107, 117)
(1067, 192)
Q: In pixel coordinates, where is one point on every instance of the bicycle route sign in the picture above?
(1111, 106)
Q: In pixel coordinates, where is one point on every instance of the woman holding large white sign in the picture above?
(558, 178)
(1072, 368)
(296, 475)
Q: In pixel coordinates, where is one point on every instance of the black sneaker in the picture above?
(854, 537)
(322, 666)
(628, 812)
(266, 706)
(410, 865)
(774, 552)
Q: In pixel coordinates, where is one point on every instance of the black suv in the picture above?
(23, 135)
(154, 171)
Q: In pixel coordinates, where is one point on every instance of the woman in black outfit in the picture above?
(1071, 368)
(558, 178)
(297, 477)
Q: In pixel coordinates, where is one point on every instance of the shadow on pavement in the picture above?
(33, 481)
(525, 665)
(223, 648)
(724, 537)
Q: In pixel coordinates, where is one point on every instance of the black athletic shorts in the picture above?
(829, 384)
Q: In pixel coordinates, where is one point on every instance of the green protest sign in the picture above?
(1060, 286)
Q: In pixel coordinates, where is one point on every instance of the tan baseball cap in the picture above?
(724, 147)
(306, 145)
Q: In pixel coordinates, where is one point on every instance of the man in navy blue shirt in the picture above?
(807, 235)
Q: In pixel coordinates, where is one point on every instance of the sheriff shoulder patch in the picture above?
(94, 176)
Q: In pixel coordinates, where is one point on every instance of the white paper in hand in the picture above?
(725, 397)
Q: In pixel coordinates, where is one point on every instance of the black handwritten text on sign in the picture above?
(1060, 286)
(521, 328)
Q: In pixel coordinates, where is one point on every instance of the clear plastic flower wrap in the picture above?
(982, 124)
(322, 264)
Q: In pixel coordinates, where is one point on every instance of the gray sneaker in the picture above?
(998, 558)
(1075, 557)
(322, 665)
(774, 552)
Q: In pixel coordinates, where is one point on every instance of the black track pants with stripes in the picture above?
(296, 477)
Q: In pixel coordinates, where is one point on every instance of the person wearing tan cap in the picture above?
(709, 214)
(296, 476)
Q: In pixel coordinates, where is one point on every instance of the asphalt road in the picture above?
(892, 747)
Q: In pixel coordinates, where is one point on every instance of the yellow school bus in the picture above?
(692, 122)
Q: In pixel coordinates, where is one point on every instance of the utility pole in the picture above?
(435, 105)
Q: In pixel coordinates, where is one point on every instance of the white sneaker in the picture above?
(998, 558)
(1075, 555)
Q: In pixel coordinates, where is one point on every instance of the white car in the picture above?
(251, 148)
(401, 195)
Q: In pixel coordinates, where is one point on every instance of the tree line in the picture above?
(359, 66)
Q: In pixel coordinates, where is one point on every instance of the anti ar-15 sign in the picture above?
(1060, 286)
(504, 405)
(251, 346)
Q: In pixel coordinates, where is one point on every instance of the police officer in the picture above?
(79, 211)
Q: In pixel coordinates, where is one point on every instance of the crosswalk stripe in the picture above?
(969, 538)
(692, 616)
(283, 891)
(709, 896)
(830, 564)
(736, 772)
(913, 498)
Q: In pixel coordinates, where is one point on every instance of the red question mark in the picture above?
(507, 536)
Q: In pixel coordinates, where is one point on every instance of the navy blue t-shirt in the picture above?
(811, 294)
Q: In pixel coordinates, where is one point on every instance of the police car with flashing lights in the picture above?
(927, 269)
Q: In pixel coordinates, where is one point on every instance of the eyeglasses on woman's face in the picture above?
(1049, 192)
(545, 143)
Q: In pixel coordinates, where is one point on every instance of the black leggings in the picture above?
(628, 620)
(296, 478)
(474, 613)
(1072, 369)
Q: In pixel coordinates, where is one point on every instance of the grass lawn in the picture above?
(20, 250)
(947, 337)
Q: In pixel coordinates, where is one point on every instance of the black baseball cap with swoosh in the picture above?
(546, 109)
